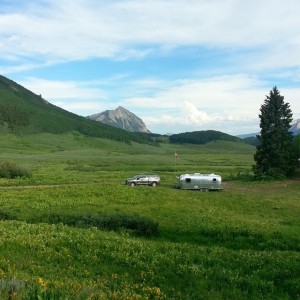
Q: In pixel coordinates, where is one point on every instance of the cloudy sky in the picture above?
(180, 65)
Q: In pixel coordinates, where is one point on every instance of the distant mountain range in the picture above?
(23, 112)
(295, 129)
(121, 118)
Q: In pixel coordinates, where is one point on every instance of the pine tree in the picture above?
(274, 156)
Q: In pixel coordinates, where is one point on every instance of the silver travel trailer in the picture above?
(202, 182)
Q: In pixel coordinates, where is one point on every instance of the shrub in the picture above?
(270, 174)
(11, 170)
(115, 221)
(6, 216)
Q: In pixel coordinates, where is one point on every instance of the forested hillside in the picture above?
(202, 137)
(252, 140)
(23, 112)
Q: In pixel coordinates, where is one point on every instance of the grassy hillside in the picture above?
(74, 231)
(23, 112)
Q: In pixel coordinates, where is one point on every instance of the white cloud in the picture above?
(53, 90)
(92, 28)
(197, 117)
(82, 98)
(81, 108)
(216, 95)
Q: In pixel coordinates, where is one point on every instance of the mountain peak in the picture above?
(121, 108)
(295, 127)
(121, 118)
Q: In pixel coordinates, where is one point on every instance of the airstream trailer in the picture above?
(197, 181)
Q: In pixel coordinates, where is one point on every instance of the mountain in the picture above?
(23, 112)
(253, 140)
(295, 129)
(247, 135)
(121, 118)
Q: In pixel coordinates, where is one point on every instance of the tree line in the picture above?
(201, 137)
(13, 116)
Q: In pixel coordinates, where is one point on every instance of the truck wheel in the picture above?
(154, 184)
(132, 184)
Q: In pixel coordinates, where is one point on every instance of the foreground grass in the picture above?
(210, 245)
(78, 264)
(242, 243)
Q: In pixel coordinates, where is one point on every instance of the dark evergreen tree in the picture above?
(274, 156)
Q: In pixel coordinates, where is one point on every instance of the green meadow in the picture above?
(73, 230)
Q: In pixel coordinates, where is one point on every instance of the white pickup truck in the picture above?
(149, 179)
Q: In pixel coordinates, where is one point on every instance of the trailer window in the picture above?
(188, 180)
(214, 179)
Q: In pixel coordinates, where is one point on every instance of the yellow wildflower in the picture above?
(42, 282)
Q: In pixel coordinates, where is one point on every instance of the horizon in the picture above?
(178, 67)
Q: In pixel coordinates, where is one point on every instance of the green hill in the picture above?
(252, 140)
(202, 137)
(23, 112)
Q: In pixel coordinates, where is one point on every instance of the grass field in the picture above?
(74, 231)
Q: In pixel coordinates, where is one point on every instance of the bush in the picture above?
(115, 221)
(270, 174)
(6, 216)
(11, 170)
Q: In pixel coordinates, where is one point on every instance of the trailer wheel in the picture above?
(154, 183)
(132, 184)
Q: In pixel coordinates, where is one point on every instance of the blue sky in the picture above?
(179, 65)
